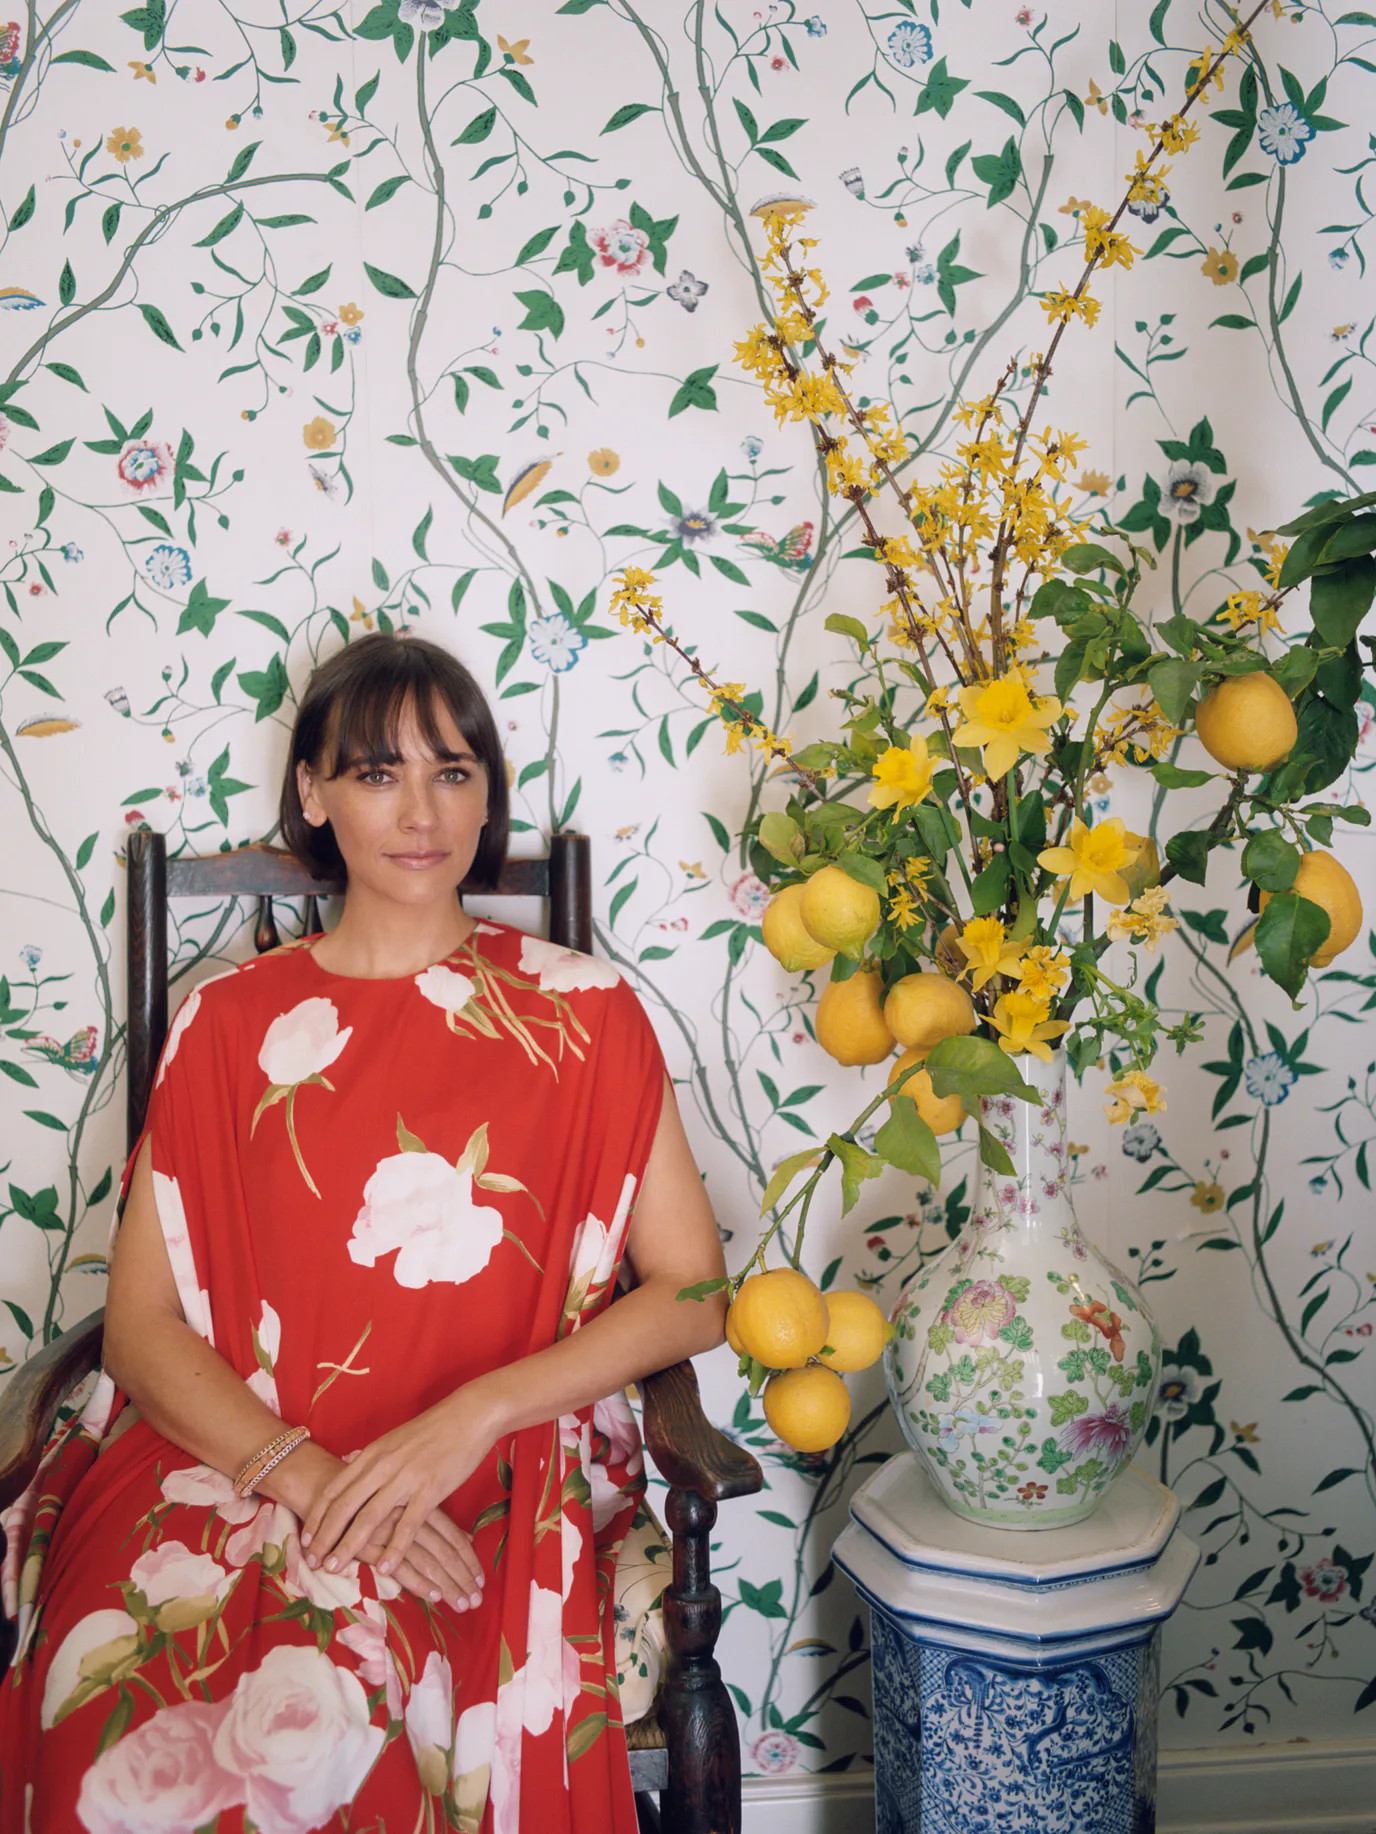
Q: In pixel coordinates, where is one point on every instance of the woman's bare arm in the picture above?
(188, 1392)
(673, 1243)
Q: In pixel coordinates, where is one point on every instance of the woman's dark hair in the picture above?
(355, 702)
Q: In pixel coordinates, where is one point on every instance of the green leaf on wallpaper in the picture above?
(1006, 103)
(1000, 171)
(543, 313)
(25, 209)
(777, 160)
(109, 222)
(519, 83)
(695, 391)
(782, 130)
(481, 472)
(201, 610)
(388, 188)
(421, 531)
(87, 59)
(577, 256)
(159, 326)
(54, 454)
(66, 284)
(365, 93)
(267, 687)
(630, 111)
(242, 161)
(940, 90)
(226, 226)
(65, 373)
(149, 20)
(387, 284)
(478, 129)
(537, 245)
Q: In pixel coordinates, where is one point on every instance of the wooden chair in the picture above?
(686, 1751)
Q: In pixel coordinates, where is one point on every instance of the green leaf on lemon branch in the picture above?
(856, 1166)
(906, 1141)
(994, 1153)
(1270, 861)
(784, 1174)
(1289, 932)
(971, 1067)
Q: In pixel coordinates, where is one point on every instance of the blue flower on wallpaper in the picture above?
(816, 26)
(31, 955)
(910, 44)
(752, 447)
(70, 551)
(686, 291)
(1140, 1141)
(1269, 1078)
(1339, 257)
(1145, 209)
(694, 525)
(168, 567)
(618, 761)
(1283, 132)
(555, 641)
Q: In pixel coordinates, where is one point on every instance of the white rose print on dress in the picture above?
(424, 1208)
(475, 998)
(296, 1732)
(562, 970)
(474, 1737)
(267, 1345)
(593, 1261)
(298, 1047)
(430, 1722)
(186, 1012)
(194, 1299)
(98, 1649)
(162, 1778)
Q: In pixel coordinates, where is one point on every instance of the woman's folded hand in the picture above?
(387, 1495)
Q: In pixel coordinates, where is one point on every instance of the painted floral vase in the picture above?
(1024, 1366)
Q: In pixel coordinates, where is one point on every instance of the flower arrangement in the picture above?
(939, 852)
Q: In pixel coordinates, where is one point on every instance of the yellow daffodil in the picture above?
(1093, 860)
(1022, 1020)
(1134, 1093)
(1003, 719)
(1043, 972)
(902, 776)
(988, 951)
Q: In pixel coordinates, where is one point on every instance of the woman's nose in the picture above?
(418, 807)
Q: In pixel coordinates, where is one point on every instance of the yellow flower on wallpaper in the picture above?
(141, 70)
(125, 143)
(337, 133)
(516, 52)
(1097, 483)
(319, 434)
(1207, 1196)
(1220, 266)
(604, 461)
(350, 314)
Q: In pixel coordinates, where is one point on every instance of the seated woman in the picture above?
(332, 1544)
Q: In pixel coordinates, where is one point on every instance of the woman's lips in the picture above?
(416, 859)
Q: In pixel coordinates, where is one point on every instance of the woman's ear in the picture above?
(310, 802)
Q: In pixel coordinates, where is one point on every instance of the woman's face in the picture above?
(408, 828)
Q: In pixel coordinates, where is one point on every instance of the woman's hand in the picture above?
(441, 1563)
(388, 1491)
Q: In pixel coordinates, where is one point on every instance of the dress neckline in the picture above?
(384, 980)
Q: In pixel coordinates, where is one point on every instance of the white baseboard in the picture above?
(1264, 1789)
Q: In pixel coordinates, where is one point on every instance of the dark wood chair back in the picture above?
(688, 1752)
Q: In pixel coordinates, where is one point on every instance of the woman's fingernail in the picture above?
(435, 1594)
(332, 1564)
(475, 1598)
(385, 1567)
(305, 1537)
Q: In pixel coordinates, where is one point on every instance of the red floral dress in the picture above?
(371, 1192)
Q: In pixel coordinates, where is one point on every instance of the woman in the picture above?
(383, 1194)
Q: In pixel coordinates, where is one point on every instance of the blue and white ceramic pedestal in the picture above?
(1015, 1673)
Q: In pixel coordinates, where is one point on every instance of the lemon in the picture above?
(838, 911)
(924, 1008)
(784, 935)
(942, 1113)
(732, 1335)
(857, 1331)
(1324, 881)
(808, 1409)
(1247, 723)
(779, 1318)
(850, 1020)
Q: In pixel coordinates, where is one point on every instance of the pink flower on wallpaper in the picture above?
(1109, 1433)
(1323, 1580)
(621, 247)
(145, 465)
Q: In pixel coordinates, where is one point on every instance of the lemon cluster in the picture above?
(782, 1323)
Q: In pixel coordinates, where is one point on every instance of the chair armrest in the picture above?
(689, 1451)
(32, 1396)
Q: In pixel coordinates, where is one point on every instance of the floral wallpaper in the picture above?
(318, 320)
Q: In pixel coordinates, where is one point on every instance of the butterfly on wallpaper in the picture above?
(78, 1054)
(790, 551)
(686, 291)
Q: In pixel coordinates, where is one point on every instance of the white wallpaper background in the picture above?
(294, 298)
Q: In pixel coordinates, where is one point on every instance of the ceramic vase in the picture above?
(1024, 1366)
